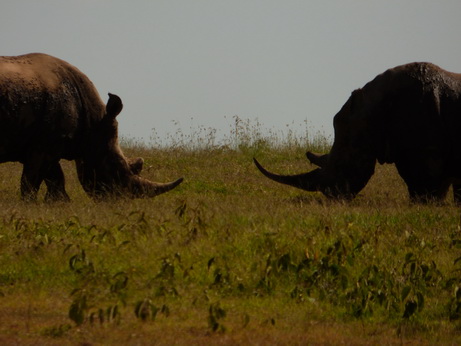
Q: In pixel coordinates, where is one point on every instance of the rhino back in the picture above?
(46, 104)
(416, 111)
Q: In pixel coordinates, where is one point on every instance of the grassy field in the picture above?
(228, 258)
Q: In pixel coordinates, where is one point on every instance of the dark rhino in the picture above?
(49, 110)
(409, 115)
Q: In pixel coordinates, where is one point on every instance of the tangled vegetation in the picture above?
(229, 257)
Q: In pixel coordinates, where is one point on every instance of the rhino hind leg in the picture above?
(431, 193)
(425, 183)
(36, 171)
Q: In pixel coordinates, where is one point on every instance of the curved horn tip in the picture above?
(155, 189)
(264, 171)
(261, 168)
(178, 181)
(175, 183)
(256, 162)
(310, 181)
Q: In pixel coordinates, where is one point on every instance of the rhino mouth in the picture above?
(121, 181)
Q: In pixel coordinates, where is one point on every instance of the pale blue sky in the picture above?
(280, 62)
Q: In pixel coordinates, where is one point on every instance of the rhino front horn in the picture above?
(311, 181)
(146, 188)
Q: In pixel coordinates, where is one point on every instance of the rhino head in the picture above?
(103, 170)
(347, 168)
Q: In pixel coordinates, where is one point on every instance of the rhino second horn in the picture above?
(311, 181)
(316, 159)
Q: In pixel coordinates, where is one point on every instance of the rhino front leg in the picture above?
(55, 183)
(30, 182)
(457, 194)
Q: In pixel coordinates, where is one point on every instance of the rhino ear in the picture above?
(114, 106)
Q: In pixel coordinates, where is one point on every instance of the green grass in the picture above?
(229, 257)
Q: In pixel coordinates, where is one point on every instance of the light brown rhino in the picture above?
(49, 110)
(409, 115)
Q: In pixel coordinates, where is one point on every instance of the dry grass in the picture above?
(227, 240)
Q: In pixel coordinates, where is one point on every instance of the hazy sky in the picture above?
(200, 63)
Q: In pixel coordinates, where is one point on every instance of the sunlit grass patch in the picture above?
(229, 256)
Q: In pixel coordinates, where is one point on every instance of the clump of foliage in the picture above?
(229, 254)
